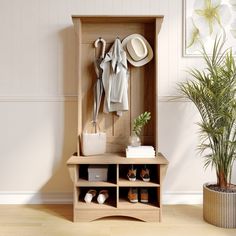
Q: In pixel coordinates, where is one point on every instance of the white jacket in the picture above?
(115, 79)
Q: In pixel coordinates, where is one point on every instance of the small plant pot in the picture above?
(219, 208)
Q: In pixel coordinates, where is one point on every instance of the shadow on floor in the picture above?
(63, 211)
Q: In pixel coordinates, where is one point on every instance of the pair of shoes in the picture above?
(102, 196)
(144, 174)
(133, 195)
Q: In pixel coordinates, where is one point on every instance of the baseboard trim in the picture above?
(188, 198)
(35, 198)
(169, 198)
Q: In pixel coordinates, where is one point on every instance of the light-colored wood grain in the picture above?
(85, 215)
(137, 91)
(116, 158)
(158, 24)
(86, 183)
(137, 183)
(72, 172)
(78, 61)
(76, 193)
(54, 220)
(162, 174)
(142, 79)
(109, 31)
(117, 18)
(117, 189)
(125, 204)
(93, 205)
(87, 81)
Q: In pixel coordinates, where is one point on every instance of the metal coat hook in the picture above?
(100, 39)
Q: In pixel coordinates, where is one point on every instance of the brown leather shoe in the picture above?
(133, 195)
(132, 173)
(145, 174)
(144, 195)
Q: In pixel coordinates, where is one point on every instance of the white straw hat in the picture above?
(138, 50)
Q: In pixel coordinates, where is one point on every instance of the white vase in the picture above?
(134, 140)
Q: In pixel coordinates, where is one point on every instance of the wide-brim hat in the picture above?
(138, 50)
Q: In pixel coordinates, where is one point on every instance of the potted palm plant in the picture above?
(213, 92)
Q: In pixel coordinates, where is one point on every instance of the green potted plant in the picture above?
(213, 92)
(138, 124)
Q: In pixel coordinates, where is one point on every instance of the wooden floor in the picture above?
(44, 220)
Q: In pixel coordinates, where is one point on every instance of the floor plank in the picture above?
(28, 220)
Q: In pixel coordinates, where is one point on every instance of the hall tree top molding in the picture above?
(142, 91)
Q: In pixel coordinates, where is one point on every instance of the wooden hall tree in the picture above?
(142, 95)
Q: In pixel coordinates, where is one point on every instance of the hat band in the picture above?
(134, 58)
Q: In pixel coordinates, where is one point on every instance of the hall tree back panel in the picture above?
(142, 90)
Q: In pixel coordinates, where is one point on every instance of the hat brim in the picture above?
(145, 60)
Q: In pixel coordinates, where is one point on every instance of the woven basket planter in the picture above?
(219, 208)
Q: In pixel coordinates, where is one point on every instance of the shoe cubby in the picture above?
(153, 172)
(143, 96)
(83, 179)
(124, 202)
(111, 201)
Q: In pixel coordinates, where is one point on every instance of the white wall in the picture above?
(38, 98)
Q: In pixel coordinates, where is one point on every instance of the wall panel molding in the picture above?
(70, 98)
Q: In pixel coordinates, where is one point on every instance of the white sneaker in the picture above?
(102, 196)
(89, 195)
